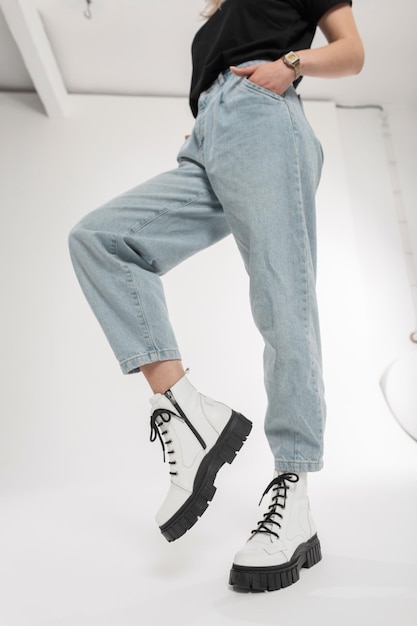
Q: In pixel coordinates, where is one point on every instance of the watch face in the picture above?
(292, 57)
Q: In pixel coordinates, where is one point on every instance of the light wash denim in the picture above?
(251, 167)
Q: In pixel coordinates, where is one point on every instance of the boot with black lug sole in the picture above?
(198, 436)
(284, 541)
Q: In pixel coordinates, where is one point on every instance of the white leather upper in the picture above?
(209, 418)
(297, 526)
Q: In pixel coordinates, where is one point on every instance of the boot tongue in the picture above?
(154, 400)
(280, 472)
(159, 401)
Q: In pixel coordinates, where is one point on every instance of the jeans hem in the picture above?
(133, 365)
(298, 466)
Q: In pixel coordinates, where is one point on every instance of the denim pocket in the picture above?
(255, 87)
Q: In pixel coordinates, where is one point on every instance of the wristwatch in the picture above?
(293, 60)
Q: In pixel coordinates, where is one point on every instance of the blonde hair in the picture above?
(211, 7)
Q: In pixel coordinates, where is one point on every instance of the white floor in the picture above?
(92, 555)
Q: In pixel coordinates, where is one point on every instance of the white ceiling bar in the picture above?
(27, 29)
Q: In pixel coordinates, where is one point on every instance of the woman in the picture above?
(250, 167)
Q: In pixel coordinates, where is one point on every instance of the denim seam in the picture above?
(262, 90)
(113, 245)
(306, 286)
(147, 357)
(300, 466)
(303, 247)
(147, 335)
(138, 304)
(134, 231)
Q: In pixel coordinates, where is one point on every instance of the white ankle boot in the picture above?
(198, 436)
(284, 541)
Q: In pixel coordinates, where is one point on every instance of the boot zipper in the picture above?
(168, 394)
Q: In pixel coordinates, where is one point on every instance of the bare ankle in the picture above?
(163, 374)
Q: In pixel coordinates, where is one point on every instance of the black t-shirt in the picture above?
(246, 30)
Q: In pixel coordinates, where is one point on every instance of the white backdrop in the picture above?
(79, 480)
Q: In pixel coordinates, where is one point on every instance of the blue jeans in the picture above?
(251, 167)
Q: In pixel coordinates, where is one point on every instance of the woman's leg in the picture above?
(119, 253)
(264, 164)
(121, 250)
(163, 374)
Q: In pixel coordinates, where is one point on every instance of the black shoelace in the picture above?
(280, 487)
(157, 432)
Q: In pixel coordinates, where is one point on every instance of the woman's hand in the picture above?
(274, 76)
